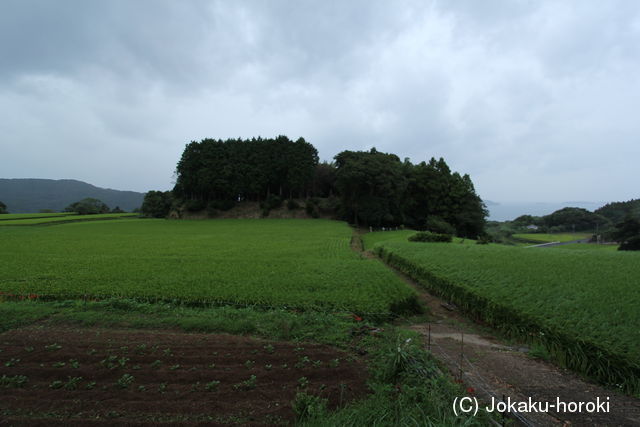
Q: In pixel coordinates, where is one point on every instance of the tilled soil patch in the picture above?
(91, 375)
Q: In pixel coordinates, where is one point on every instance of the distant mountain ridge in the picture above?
(508, 211)
(26, 195)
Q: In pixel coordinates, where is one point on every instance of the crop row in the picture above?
(5, 217)
(545, 238)
(581, 305)
(292, 263)
(64, 218)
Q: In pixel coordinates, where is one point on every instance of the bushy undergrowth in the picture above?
(408, 389)
(427, 236)
(633, 244)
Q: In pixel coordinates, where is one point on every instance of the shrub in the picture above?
(435, 224)
(292, 205)
(483, 239)
(212, 211)
(330, 205)
(271, 202)
(88, 206)
(307, 406)
(215, 206)
(311, 207)
(426, 236)
(156, 204)
(221, 205)
(194, 205)
(632, 244)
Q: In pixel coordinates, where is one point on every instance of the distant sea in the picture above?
(505, 211)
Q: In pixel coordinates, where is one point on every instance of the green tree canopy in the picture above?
(252, 169)
(524, 220)
(619, 211)
(378, 189)
(626, 229)
(3, 208)
(157, 204)
(88, 206)
(578, 219)
(372, 186)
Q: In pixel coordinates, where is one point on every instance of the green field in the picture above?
(546, 238)
(581, 304)
(586, 247)
(294, 263)
(5, 217)
(28, 219)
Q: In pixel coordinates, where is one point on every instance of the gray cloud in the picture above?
(536, 100)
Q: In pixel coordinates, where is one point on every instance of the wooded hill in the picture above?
(618, 211)
(369, 187)
(33, 195)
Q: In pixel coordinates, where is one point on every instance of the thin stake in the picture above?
(461, 352)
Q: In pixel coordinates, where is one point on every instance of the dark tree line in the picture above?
(368, 187)
(378, 189)
(88, 206)
(252, 169)
(619, 211)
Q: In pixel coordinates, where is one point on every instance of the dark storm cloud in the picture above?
(536, 100)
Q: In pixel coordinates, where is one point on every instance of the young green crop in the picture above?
(291, 263)
(557, 237)
(582, 304)
(5, 217)
(64, 219)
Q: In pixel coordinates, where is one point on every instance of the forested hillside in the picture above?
(33, 195)
(618, 211)
(368, 187)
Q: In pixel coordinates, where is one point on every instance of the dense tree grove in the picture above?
(574, 219)
(88, 206)
(156, 204)
(237, 169)
(619, 211)
(565, 219)
(627, 233)
(378, 189)
(3, 208)
(368, 187)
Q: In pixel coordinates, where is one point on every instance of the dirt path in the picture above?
(493, 368)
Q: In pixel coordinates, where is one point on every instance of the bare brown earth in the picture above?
(492, 367)
(77, 376)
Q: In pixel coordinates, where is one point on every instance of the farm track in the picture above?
(495, 368)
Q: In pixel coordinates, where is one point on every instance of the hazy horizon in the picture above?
(528, 98)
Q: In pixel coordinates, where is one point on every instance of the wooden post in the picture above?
(461, 352)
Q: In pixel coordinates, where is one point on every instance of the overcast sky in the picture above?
(536, 100)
